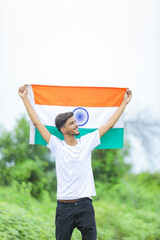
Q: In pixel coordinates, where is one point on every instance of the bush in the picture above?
(126, 210)
(118, 221)
(16, 223)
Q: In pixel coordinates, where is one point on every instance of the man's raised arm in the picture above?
(116, 115)
(32, 114)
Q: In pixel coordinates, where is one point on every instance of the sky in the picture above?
(80, 43)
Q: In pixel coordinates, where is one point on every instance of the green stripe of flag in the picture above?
(112, 139)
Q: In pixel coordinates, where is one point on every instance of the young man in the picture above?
(75, 183)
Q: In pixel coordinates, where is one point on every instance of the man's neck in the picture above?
(70, 140)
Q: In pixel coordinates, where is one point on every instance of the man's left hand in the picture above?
(127, 96)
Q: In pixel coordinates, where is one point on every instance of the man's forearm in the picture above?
(114, 118)
(31, 112)
(116, 115)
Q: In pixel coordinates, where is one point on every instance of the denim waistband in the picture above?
(80, 201)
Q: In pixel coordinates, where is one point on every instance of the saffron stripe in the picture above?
(78, 96)
(112, 139)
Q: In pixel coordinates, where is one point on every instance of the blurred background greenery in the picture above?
(127, 205)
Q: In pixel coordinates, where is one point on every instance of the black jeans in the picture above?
(78, 215)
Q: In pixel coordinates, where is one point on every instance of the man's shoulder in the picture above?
(89, 135)
(54, 141)
(91, 139)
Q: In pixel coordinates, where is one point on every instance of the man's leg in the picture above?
(64, 221)
(85, 219)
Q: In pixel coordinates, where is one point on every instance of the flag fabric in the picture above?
(92, 107)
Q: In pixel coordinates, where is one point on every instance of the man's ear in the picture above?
(63, 130)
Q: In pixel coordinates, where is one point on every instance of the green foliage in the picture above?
(125, 211)
(149, 179)
(130, 209)
(22, 216)
(21, 194)
(25, 163)
(109, 166)
(17, 223)
(134, 192)
(118, 221)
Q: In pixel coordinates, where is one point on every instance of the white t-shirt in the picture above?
(73, 166)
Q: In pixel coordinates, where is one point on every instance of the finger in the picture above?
(20, 89)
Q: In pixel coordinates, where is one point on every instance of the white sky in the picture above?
(85, 43)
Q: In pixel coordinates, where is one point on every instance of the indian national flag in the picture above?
(92, 107)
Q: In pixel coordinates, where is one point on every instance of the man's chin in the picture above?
(77, 133)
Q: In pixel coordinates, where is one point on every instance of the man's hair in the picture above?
(61, 119)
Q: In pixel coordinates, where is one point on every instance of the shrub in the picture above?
(16, 223)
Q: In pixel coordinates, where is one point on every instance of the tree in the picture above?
(108, 164)
(25, 163)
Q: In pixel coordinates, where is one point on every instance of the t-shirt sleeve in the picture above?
(92, 140)
(53, 143)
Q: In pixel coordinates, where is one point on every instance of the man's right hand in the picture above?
(32, 114)
(23, 91)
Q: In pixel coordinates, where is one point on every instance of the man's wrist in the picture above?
(124, 103)
(24, 98)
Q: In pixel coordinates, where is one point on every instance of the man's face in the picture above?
(71, 127)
